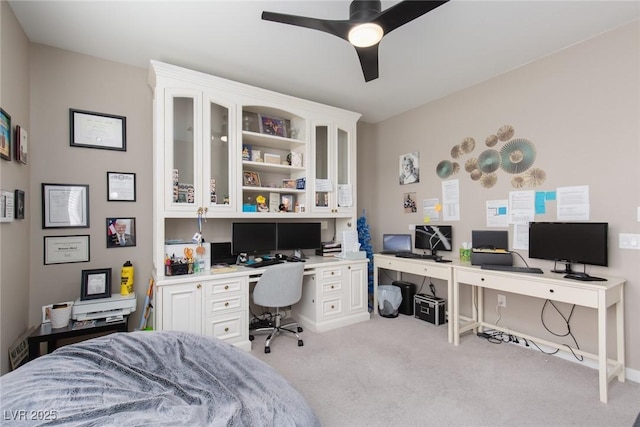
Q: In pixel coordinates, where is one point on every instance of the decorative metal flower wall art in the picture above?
(515, 157)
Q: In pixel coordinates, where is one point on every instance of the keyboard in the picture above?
(511, 268)
(416, 256)
(264, 263)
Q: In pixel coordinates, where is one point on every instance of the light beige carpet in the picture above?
(403, 372)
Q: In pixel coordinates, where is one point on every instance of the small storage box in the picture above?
(429, 308)
(178, 269)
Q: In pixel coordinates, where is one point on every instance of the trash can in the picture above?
(408, 291)
(389, 299)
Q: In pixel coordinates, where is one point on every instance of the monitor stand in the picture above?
(567, 269)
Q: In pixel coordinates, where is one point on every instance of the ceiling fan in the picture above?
(366, 26)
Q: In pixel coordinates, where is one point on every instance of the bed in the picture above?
(151, 378)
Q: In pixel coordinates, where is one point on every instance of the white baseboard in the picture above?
(630, 374)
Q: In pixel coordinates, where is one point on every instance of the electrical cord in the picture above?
(521, 257)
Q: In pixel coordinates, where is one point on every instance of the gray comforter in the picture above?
(151, 378)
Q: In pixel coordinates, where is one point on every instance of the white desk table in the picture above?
(419, 267)
(596, 295)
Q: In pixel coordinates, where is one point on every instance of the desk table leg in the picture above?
(602, 347)
(375, 289)
(456, 310)
(619, 307)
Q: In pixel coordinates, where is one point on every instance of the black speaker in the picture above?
(408, 291)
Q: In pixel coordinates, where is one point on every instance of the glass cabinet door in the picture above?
(323, 184)
(219, 166)
(181, 150)
(343, 165)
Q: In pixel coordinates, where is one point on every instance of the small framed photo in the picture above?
(21, 145)
(272, 126)
(286, 200)
(121, 232)
(5, 135)
(96, 284)
(121, 187)
(19, 202)
(251, 179)
(46, 313)
(97, 130)
(288, 183)
(65, 206)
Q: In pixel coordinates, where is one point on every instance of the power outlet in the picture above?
(502, 301)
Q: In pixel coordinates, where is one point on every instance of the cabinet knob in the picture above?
(482, 279)
(226, 329)
(226, 304)
(199, 286)
(332, 307)
(332, 286)
(226, 287)
(551, 290)
(332, 273)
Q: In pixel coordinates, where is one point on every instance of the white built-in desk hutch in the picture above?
(206, 130)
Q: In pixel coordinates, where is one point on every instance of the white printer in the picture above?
(103, 308)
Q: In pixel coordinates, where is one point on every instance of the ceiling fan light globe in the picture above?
(365, 35)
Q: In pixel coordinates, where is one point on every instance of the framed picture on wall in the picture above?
(97, 130)
(65, 206)
(121, 187)
(121, 232)
(5, 135)
(21, 145)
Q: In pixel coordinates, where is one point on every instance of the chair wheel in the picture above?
(299, 328)
(251, 337)
(300, 343)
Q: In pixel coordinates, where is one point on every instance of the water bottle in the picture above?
(126, 279)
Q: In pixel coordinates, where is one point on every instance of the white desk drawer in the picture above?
(329, 273)
(531, 285)
(231, 327)
(331, 307)
(221, 287)
(332, 286)
(223, 303)
(417, 266)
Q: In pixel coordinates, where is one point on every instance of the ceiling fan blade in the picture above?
(369, 61)
(404, 12)
(337, 28)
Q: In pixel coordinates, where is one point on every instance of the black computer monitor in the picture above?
(299, 235)
(434, 238)
(254, 238)
(569, 242)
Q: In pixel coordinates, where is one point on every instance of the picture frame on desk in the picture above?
(96, 283)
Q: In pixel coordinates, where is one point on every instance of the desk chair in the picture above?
(279, 286)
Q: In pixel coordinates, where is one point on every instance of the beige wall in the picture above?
(61, 80)
(14, 236)
(580, 108)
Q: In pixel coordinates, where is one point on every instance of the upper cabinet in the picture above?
(199, 162)
(226, 149)
(334, 168)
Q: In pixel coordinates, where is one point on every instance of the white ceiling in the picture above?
(450, 48)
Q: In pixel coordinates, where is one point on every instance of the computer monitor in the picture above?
(299, 235)
(569, 242)
(254, 238)
(434, 238)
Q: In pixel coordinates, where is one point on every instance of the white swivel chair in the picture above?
(279, 286)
